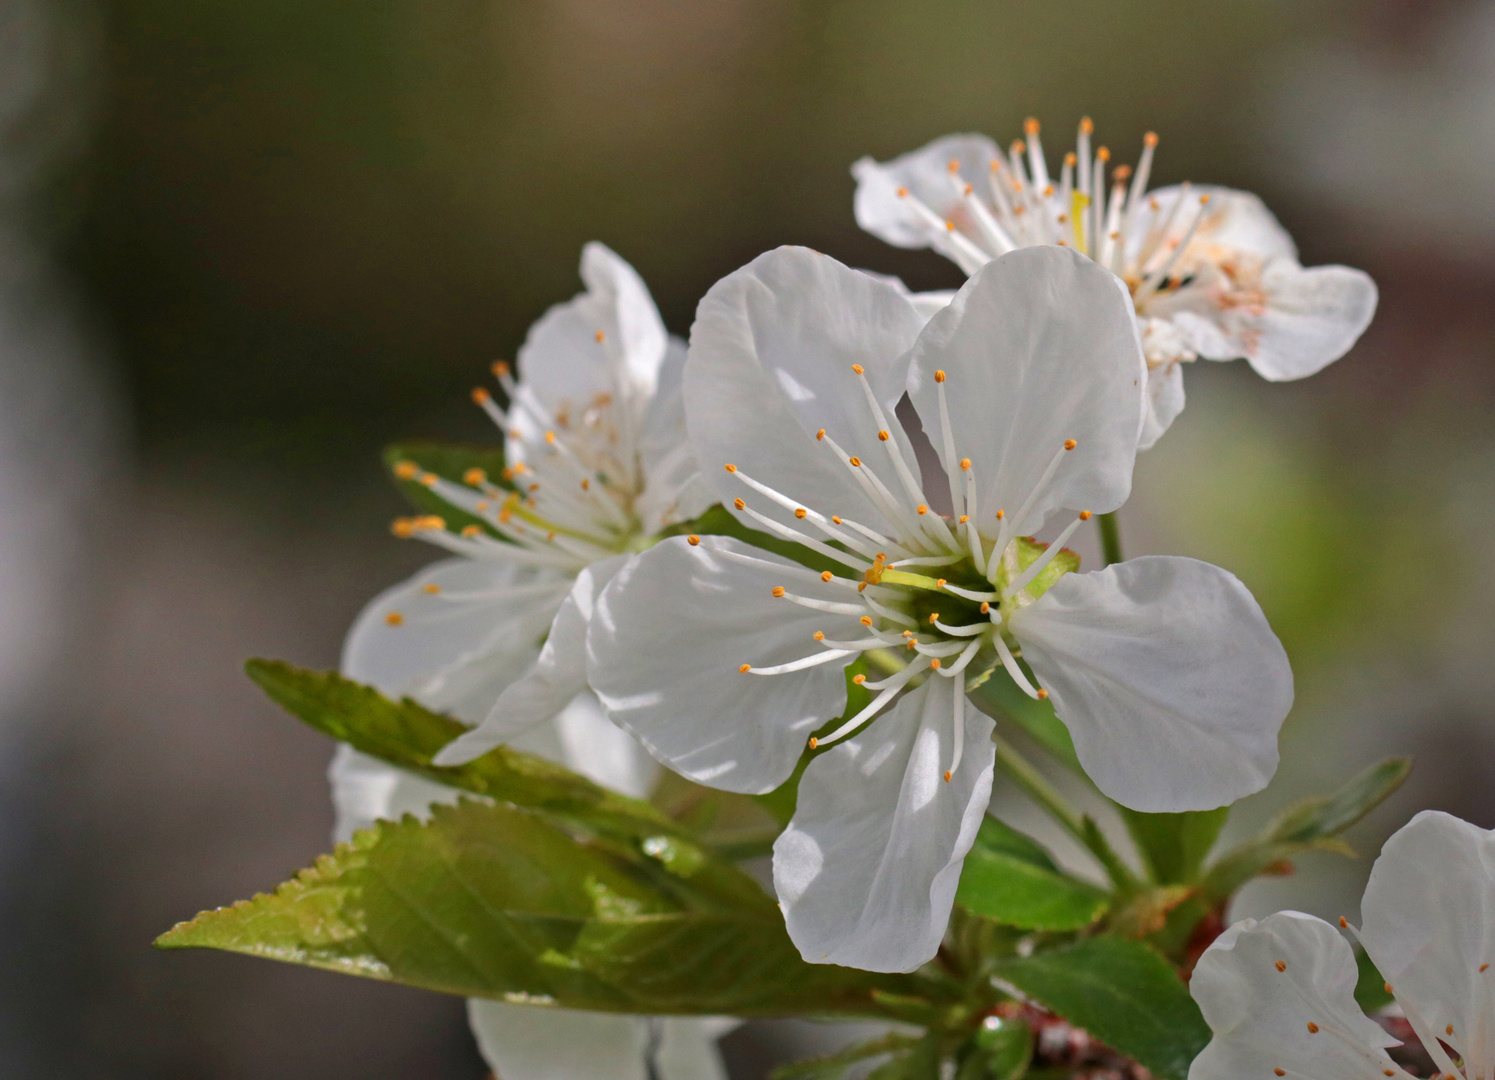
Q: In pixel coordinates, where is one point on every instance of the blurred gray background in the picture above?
(242, 246)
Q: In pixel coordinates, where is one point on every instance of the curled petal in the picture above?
(1429, 924)
(1165, 400)
(1167, 675)
(668, 638)
(866, 871)
(925, 173)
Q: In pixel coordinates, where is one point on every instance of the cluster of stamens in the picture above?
(914, 625)
(1022, 206)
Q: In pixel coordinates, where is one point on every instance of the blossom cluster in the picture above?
(885, 463)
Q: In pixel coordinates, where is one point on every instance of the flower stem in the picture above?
(1019, 770)
(1110, 538)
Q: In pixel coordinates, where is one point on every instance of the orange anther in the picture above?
(406, 470)
(1281, 965)
(739, 504)
(939, 376)
(921, 509)
(934, 663)
(1086, 125)
(431, 588)
(1070, 444)
(866, 620)
(884, 436)
(1313, 1029)
(903, 193)
(814, 742)
(693, 540)
(953, 165)
(1001, 514)
(743, 669)
(1150, 139)
(1086, 515)
(859, 679)
(820, 434)
(778, 590)
(856, 462)
(947, 776)
(601, 337)
(1030, 125)
(826, 575)
(500, 369)
(480, 396)
(474, 477)
(819, 635)
(1043, 695)
(394, 618)
(731, 468)
(470, 531)
(801, 513)
(965, 464)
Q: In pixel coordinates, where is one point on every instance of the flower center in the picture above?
(932, 595)
(1015, 203)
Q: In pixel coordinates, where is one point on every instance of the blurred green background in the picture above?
(288, 233)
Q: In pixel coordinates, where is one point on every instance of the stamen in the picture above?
(802, 663)
(970, 594)
(892, 685)
(957, 743)
(1010, 663)
(1004, 536)
(971, 630)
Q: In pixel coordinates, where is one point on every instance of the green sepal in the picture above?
(1123, 993)
(1009, 878)
(1028, 549)
(1174, 846)
(488, 900)
(1370, 985)
(1313, 824)
(449, 461)
(1000, 1050)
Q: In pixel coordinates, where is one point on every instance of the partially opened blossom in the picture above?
(599, 464)
(1279, 994)
(727, 661)
(1211, 272)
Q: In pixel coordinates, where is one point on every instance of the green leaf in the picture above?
(1174, 846)
(405, 734)
(718, 521)
(1000, 1050)
(1009, 878)
(1311, 824)
(1121, 992)
(450, 462)
(830, 1066)
(488, 900)
(1370, 987)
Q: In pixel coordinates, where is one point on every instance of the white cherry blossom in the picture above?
(1279, 993)
(725, 660)
(1211, 272)
(599, 464)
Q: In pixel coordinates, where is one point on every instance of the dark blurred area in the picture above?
(243, 246)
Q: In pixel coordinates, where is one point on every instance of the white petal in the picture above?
(1236, 225)
(925, 303)
(366, 789)
(557, 675)
(1039, 347)
(602, 751)
(563, 363)
(1165, 400)
(674, 489)
(1260, 1015)
(455, 649)
(926, 174)
(866, 871)
(664, 647)
(1167, 675)
(527, 1042)
(771, 356)
(1429, 924)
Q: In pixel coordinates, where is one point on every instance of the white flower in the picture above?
(1210, 270)
(596, 437)
(723, 659)
(1279, 993)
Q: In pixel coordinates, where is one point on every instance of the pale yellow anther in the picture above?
(693, 540)
(826, 575)
(480, 396)
(778, 590)
(474, 477)
(1070, 444)
(394, 618)
(430, 587)
(406, 470)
